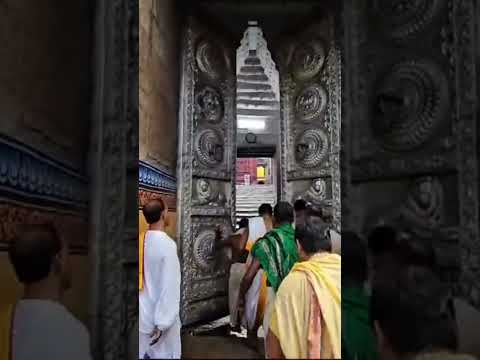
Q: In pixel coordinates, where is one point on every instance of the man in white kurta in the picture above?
(159, 300)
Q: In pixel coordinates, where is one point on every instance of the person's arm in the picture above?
(247, 281)
(274, 350)
(167, 307)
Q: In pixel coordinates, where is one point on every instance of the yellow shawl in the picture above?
(6, 319)
(141, 248)
(307, 314)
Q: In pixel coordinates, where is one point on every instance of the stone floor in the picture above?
(215, 341)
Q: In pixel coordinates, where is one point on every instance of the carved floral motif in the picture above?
(402, 18)
(410, 104)
(209, 105)
(207, 193)
(311, 147)
(210, 59)
(209, 147)
(72, 227)
(204, 249)
(311, 102)
(308, 59)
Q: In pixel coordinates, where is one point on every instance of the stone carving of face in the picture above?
(424, 192)
(319, 186)
(204, 186)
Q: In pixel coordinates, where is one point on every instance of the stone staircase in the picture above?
(255, 96)
(250, 197)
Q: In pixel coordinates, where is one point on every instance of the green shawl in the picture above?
(277, 253)
(358, 340)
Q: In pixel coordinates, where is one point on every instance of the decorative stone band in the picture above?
(72, 227)
(146, 195)
(29, 177)
(152, 178)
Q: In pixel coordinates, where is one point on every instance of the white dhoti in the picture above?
(237, 270)
(256, 229)
(168, 347)
(251, 302)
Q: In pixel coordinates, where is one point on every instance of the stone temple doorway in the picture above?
(239, 101)
(403, 84)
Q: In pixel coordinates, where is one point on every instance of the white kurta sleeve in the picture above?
(167, 307)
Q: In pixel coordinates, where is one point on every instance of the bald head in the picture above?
(33, 252)
(153, 211)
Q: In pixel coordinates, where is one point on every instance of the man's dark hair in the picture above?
(243, 223)
(313, 234)
(153, 211)
(300, 205)
(265, 209)
(33, 252)
(283, 212)
(354, 258)
(382, 239)
(412, 308)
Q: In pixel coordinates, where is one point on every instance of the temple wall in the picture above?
(158, 103)
(45, 79)
(45, 102)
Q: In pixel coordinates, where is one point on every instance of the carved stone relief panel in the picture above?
(410, 102)
(203, 262)
(209, 105)
(310, 85)
(311, 147)
(209, 147)
(402, 18)
(308, 59)
(210, 59)
(206, 152)
(311, 103)
(317, 192)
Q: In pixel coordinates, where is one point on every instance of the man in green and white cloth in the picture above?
(275, 254)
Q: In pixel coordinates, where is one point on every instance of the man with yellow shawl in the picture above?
(275, 254)
(306, 319)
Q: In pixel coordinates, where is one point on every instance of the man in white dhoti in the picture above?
(159, 288)
(255, 298)
(237, 255)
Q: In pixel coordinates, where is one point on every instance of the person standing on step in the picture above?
(159, 288)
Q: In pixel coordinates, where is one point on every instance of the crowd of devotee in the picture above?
(387, 301)
(286, 280)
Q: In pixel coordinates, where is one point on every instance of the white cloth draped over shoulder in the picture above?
(159, 301)
(256, 229)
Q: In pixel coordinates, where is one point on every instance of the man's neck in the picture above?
(47, 289)
(158, 226)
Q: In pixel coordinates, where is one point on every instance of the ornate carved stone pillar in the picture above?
(113, 177)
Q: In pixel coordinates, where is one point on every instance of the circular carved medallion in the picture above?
(308, 59)
(209, 147)
(311, 147)
(311, 102)
(210, 59)
(209, 105)
(409, 104)
(402, 18)
(204, 249)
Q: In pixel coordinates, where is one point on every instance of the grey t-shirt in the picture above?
(44, 329)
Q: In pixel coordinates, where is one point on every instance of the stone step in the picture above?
(252, 78)
(256, 95)
(248, 102)
(258, 112)
(253, 86)
(252, 69)
(252, 60)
